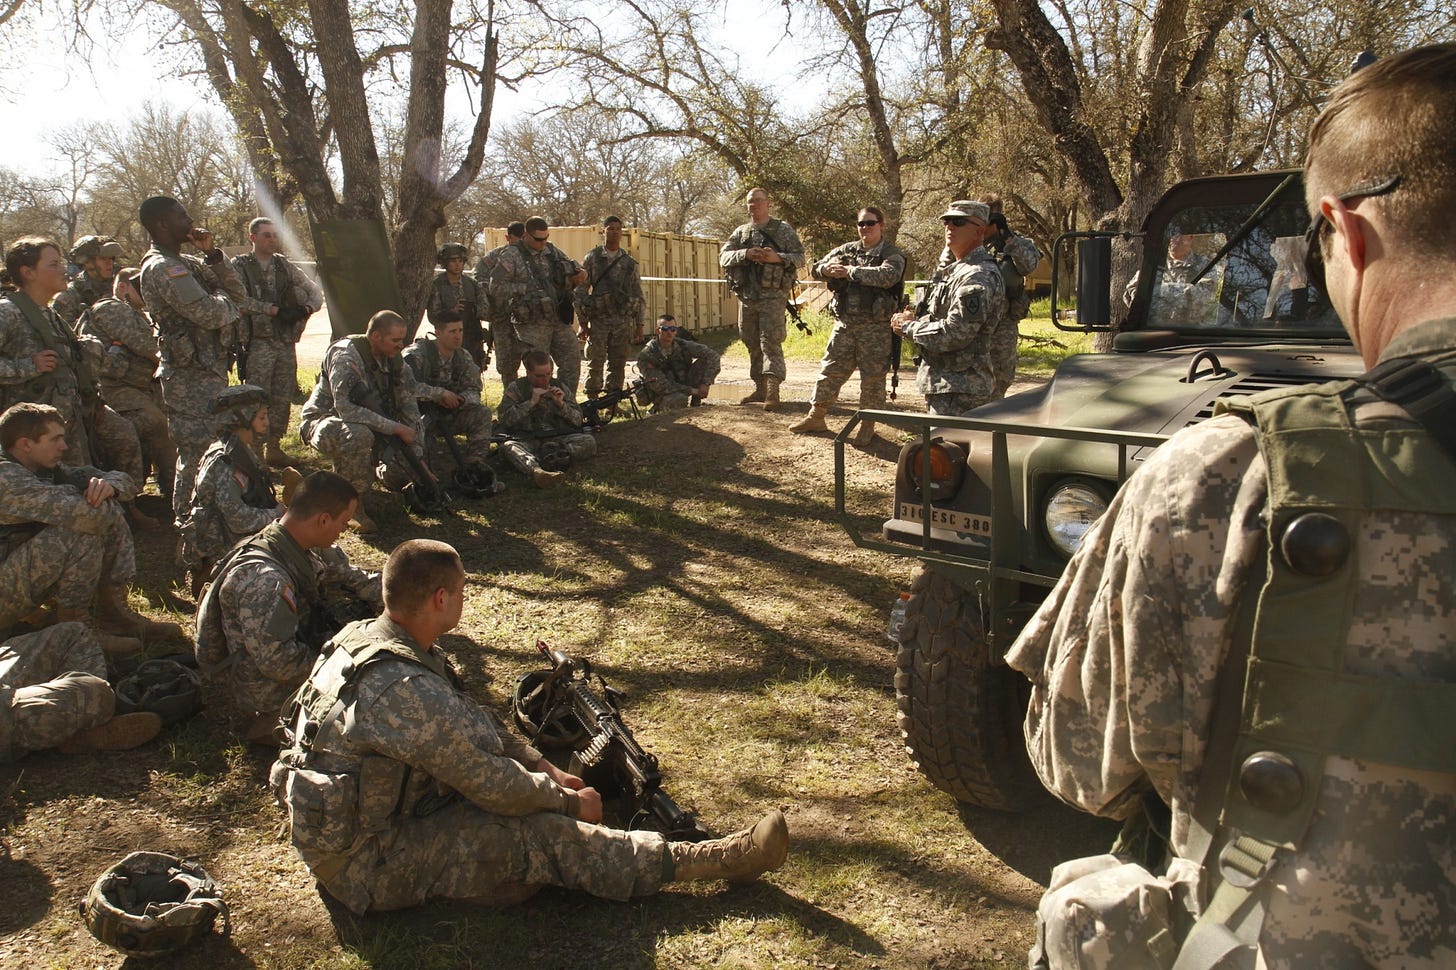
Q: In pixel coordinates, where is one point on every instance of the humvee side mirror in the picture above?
(1094, 280)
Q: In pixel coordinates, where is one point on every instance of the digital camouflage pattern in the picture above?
(610, 302)
(54, 544)
(260, 615)
(763, 291)
(126, 366)
(83, 291)
(862, 308)
(20, 340)
(195, 308)
(544, 422)
(534, 287)
(1123, 658)
(673, 375)
(498, 313)
(272, 362)
(415, 792)
(965, 304)
(469, 297)
(344, 430)
(434, 376)
(233, 499)
(52, 686)
(1016, 256)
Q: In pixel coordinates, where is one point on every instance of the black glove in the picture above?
(293, 314)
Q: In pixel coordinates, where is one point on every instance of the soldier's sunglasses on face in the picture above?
(956, 221)
(667, 328)
(866, 223)
(541, 238)
(1314, 257)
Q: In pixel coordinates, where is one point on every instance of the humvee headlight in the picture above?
(1071, 509)
(947, 468)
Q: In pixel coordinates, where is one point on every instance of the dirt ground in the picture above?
(696, 560)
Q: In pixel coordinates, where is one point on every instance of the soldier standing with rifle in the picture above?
(281, 298)
(535, 279)
(866, 277)
(760, 261)
(610, 307)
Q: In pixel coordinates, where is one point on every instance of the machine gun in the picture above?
(598, 410)
(558, 708)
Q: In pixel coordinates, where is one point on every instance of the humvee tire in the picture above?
(960, 712)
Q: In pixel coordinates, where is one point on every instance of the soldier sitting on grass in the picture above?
(544, 423)
(678, 371)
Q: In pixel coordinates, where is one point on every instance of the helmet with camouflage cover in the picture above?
(451, 251)
(165, 687)
(151, 903)
(554, 456)
(238, 405)
(90, 247)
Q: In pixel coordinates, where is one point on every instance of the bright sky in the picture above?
(118, 82)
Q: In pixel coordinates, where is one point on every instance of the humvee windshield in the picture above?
(1259, 285)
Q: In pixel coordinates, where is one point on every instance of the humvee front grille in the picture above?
(1252, 385)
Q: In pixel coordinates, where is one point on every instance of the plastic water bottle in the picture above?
(897, 618)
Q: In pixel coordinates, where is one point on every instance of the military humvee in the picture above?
(994, 503)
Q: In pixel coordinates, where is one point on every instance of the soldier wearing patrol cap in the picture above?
(234, 497)
(97, 256)
(278, 597)
(454, 291)
(194, 303)
(281, 299)
(963, 307)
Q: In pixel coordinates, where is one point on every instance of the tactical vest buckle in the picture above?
(1245, 861)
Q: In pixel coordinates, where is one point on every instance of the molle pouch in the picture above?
(322, 809)
(381, 784)
(1101, 912)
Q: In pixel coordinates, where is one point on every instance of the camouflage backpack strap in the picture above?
(1299, 705)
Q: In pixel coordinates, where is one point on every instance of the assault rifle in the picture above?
(558, 708)
(423, 493)
(792, 309)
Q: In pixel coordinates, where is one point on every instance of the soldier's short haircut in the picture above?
(668, 317)
(27, 420)
(383, 320)
(448, 316)
(257, 224)
(154, 209)
(535, 358)
(537, 224)
(26, 252)
(516, 230)
(322, 493)
(1394, 119)
(611, 219)
(416, 569)
(757, 189)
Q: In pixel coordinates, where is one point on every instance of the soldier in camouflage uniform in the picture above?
(453, 292)
(1127, 655)
(274, 599)
(41, 360)
(54, 694)
(502, 333)
(609, 305)
(448, 380)
(62, 536)
(535, 279)
(952, 327)
(1016, 256)
(234, 497)
(865, 277)
(543, 421)
(280, 300)
(97, 256)
(761, 260)
(194, 304)
(401, 789)
(366, 394)
(127, 366)
(678, 371)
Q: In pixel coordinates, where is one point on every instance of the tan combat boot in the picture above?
(361, 523)
(273, 454)
(814, 421)
(771, 394)
(115, 615)
(757, 396)
(111, 645)
(544, 479)
(121, 733)
(740, 857)
(865, 436)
